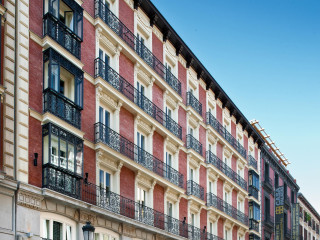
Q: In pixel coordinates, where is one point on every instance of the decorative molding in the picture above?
(143, 126)
(211, 137)
(227, 187)
(228, 224)
(202, 84)
(227, 151)
(170, 101)
(106, 98)
(194, 206)
(106, 161)
(128, 231)
(104, 41)
(29, 200)
(144, 180)
(130, 3)
(170, 145)
(213, 216)
(88, 216)
(142, 76)
(172, 196)
(194, 122)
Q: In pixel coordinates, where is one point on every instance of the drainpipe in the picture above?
(15, 119)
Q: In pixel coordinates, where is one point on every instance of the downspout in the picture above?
(15, 119)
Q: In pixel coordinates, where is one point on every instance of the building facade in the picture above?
(274, 175)
(108, 117)
(309, 220)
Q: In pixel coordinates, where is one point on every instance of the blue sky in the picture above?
(266, 56)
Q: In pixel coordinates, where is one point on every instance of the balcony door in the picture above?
(104, 184)
(141, 148)
(168, 165)
(104, 63)
(141, 199)
(104, 119)
(140, 97)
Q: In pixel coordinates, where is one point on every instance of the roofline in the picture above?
(265, 150)
(156, 18)
(309, 206)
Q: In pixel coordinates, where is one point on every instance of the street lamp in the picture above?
(88, 231)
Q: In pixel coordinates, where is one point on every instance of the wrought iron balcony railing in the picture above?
(269, 220)
(61, 180)
(287, 203)
(122, 145)
(194, 103)
(213, 122)
(214, 201)
(254, 192)
(194, 144)
(118, 82)
(268, 183)
(254, 237)
(102, 11)
(62, 107)
(252, 162)
(218, 163)
(287, 233)
(59, 32)
(253, 225)
(118, 204)
(195, 189)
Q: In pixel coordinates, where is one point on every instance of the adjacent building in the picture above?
(309, 220)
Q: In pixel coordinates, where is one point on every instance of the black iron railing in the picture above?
(102, 11)
(122, 145)
(61, 180)
(213, 122)
(254, 192)
(118, 82)
(195, 189)
(214, 201)
(194, 144)
(253, 225)
(59, 32)
(252, 162)
(62, 107)
(194, 103)
(254, 237)
(287, 233)
(287, 203)
(118, 204)
(269, 220)
(268, 183)
(211, 158)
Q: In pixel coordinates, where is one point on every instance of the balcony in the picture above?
(120, 205)
(253, 192)
(194, 103)
(287, 203)
(287, 233)
(194, 144)
(252, 162)
(269, 221)
(61, 180)
(62, 107)
(118, 82)
(214, 201)
(218, 163)
(59, 32)
(268, 184)
(195, 189)
(122, 145)
(254, 237)
(253, 225)
(102, 11)
(213, 122)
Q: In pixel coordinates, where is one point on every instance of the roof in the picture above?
(308, 205)
(156, 18)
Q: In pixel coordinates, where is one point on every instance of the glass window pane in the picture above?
(55, 76)
(57, 230)
(62, 156)
(46, 75)
(54, 150)
(79, 159)
(45, 149)
(101, 178)
(68, 233)
(71, 157)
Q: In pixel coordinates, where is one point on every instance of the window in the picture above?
(104, 180)
(254, 179)
(254, 211)
(192, 219)
(140, 44)
(141, 196)
(191, 131)
(226, 197)
(169, 209)
(267, 208)
(169, 112)
(266, 170)
(239, 205)
(191, 177)
(63, 77)
(140, 95)
(276, 180)
(292, 196)
(62, 149)
(210, 228)
(210, 187)
(57, 229)
(67, 12)
(226, 234)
